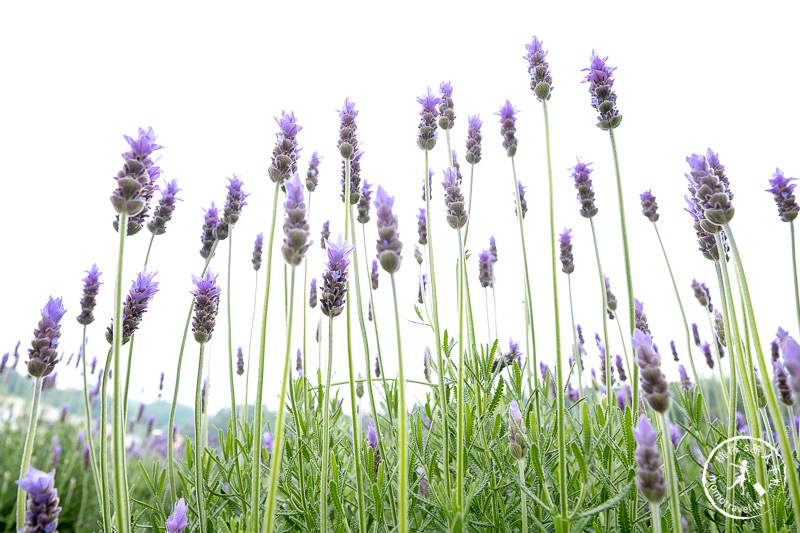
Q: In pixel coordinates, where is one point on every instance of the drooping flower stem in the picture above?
(672, 476)
(255, 459)
(524, 497)
(772, 402)
(575, 348)
(461, 427)
(683, 316)
(245, 400)
(277, 450)
(627, 255)
(609, 395)
(199, 450)
(402, 484)
(89, 440)
(121, 502)
(173, 487)
(27, 452)
(326, 433)
(441, 364)
(794, 273)
(528, 300)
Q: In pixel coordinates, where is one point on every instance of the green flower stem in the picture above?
(469, 203)
(524, 497)
(362, 517)
(562, 446)
(605, 323)
(30, 438)
(104, 482)
(245, 400)
(121, 501)
(719, 360)
(772, 403)
(84, 499)
(255, 459)
(173, 486)
(488, 323)
(305, 380)
(199, 450)
(575, 349)
(494, 308)
(230, 362)
(277, 449)
(655, 511)
(326, 434)
(87, 408)
(439, 359)
(683, 316)
(461, 426)
(794, 274)
(300, 425)
(402, 485)
(149, 248)
(626, 252)
(624, 344)
(672, 476)
(528, 301)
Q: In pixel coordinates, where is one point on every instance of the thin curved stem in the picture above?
(669, 462)
(149, 248)
(326, 434)
(199, 450)
(104, 482)
(524, 497)
(27, 452)
(461, 421)
(87, 407)
(402, 485)
(245, 400)
(469, 203)
(576, 351)
(605, 321)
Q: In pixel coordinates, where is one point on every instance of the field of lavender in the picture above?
(502, 438)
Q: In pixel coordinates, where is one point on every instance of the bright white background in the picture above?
(209, 79)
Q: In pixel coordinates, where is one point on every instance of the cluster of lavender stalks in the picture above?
(628, 393)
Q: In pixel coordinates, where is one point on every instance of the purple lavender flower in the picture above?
(160, 384)
(782, 381)
(348, 142)
(359, 386)
(372, 439)
(299, 363)
(312, 294)
(422, 226)
(234, 202)
(674, 350)
(140, 412)
(624, 397)
(791, 358)
(604, 100)
(474, 139)
(325, 234)
(567, 259)
(151, 423)
(539, 70)
(447, 114)
(710, 190)
(355, 176)
(580, 173)
(313, 172)
(166, 206)
(363, 203)
(696, 335)
(485, 268)
(654, 384)
(177, 521)
(374, 275)
(602, 350)
(516, 432)
(523, 204)
(719, 327)
(426, 138)
(426, 366)
(42, 510)
(210, 221)
(295, 226)
(206, 305)
(454, 200)
(685, 381)
(573, 394)
(649, 206)
(49, 382)
(239, 361)
(389, 246)
(43, 354)
(377, 367)
(611, 300)
(417, 254)
(784, 195)
(702, 294)
(493, 248)
(706, 347)
(675, 434)
(91, 286)
(369, 310)
(650, 471)
(258, 249)
(203, 396)
(136, 182)
(422, 488)
(284, 155)
(142, 291)
(639, 318)
(94, 365)
(620, 369)
(334, 280)
(3, 362)
(508, 128)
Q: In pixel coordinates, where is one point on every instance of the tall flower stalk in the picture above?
(258, 249)
(783, 191)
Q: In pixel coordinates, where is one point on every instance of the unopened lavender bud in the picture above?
(650, 472)
(234, 202)
(377, 367)
(348, 141)
(583, 183)
(160, 384)
(43, 354)
(685, 381)
(474, 139)
(422, 227)
(604, 100)
(142, 291)
(710, 189)
(165, 208)
(426, 364)
(783, 190)
(485, 268)
(523, 204)
(675, 434)
(640, 319)
(719, 326)
(654, 384)
(389, 246)
(178, 521)
(374, 275)
(239, 361)
(136, 182)
(140, 412)
(359, 386)
(621, 369)
(369, 310)
(64, 413)
(325, 234)
(539, 70)
(706, 347)
(312, 294)
(624, 397)
(334, 280)
(426, 138)
(423, 488)
(363, 203)
(696, 335)
(299, 363)
(372, 439)
(258, 249)
(418, 254)
(454, 200)
(283, 164)
(720, 347)
(674, 350)
(782, 381)
(42, 510)
(649, 206)
(702, 294)
(210, 221)
(508, 128)
(611, 300)
(567, 259)
(206, 305)
(516, 432)
(295, 225)
(91, 286)
(447, 114)
(573, 394)
(267, 441)
(151, 422)
(312, 175)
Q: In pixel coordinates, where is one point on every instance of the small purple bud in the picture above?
(675, 434)
(474, 139)
(299, 363)
(485, 268)
(508, 128)
(348, 142)
(422, 488)
(257, 251)
(604, 100)
(702, 294)
(583, 183)
(685, 381)
(516, 432)
(621, 369)
(426, 138)
(166, 207)
(422, 227)
(783, 190)
(210, 221)
(334, 280)
(42, 509)
(640, 319)
(295, 225)
(374, 275)
(649, 206)
(234, 202)
(363, 203)
(284, 156)
(325, 234)
(388, 246)
(312, 294)
(654, 384)
(650, 471)
(239, 361)
(43, 354)
(539, 70)
(91, 286)
(447, 114)
(312, 175)
(567, 259)
(454, 200)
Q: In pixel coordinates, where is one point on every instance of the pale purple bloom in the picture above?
(325, 234)
(567, 259)
(426, 367)
(91, 286)
(539, 70)
(447, 114)
(41, 513)
(284, 155)
(257, 251)
(295, 225)
(508, 128)
(523, 204)
(485, 268)
(675, 434)
(454, 200)
(206, 306)
(474, 139)
(710, 190)
(685, 381)
(388, 246)
(57, 449)
(239, 361)
(580, 173)
(165, 208)
(267, 441)
(650, 471)
(604, 100)
(363, 202)
(791, 358)
(208, 238)
(426, 138)
(422, 226)
(422, 489)
(234, 202)
(348, 142)
(654, 384)
(177, 521)
(334, 280)
(649, 206)
(516, 432)
(312, 293)
(312, 175)
(374, 275)
(43, 354)
(783, 190)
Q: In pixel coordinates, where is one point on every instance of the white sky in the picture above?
(76, 77)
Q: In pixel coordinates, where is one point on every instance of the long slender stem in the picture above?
(605, 321)
(199, 450)
(104, 482)
(772, 403)
(27, 452)
(718, 359)
(305, 380)
(794, 274)
(439, 359)
(461, 429)
(669, 462)
(655, 511)
(575, 349)
(121, 502)
(494, 308)
(488, 324)
(326, 434)
(524, 497)
(246, 399)
(627, 255)
(402, 485)
(87, 407)
(230, 341)
(255, 488)
(277, 450)
(149, 248)
(469, 203)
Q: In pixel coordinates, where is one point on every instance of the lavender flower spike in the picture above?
(348, 142)
(363, 203)
(334, 280)
(239, 361)
(454, 200)
(654, 384)
(508, 129)
(702, 294)
(710, 189)
(374, 275)
(177, 521)
(783, 190)
(447, 114)
(541, 81)
(474, 139)
(91, 286)
(42, 510)
(686, 383)
(325, 234)
(206, 305)
(234, 202)
(580, 173)
(485, 268)
(649, 206)
(210, 221)
(516, 430)
(782, 382)
(355, 176)
(166, 206)
(522, 202)
(295, 225)
(604, 100)
(422, 226)
(312, 175)
(142, 291)
(650, 472)
(312, 294)
(389, 246)
(136, 182)
(426, 138)
(258, 249)
(567, 259)
(284, 155)
(493, 248)
(791, 358)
